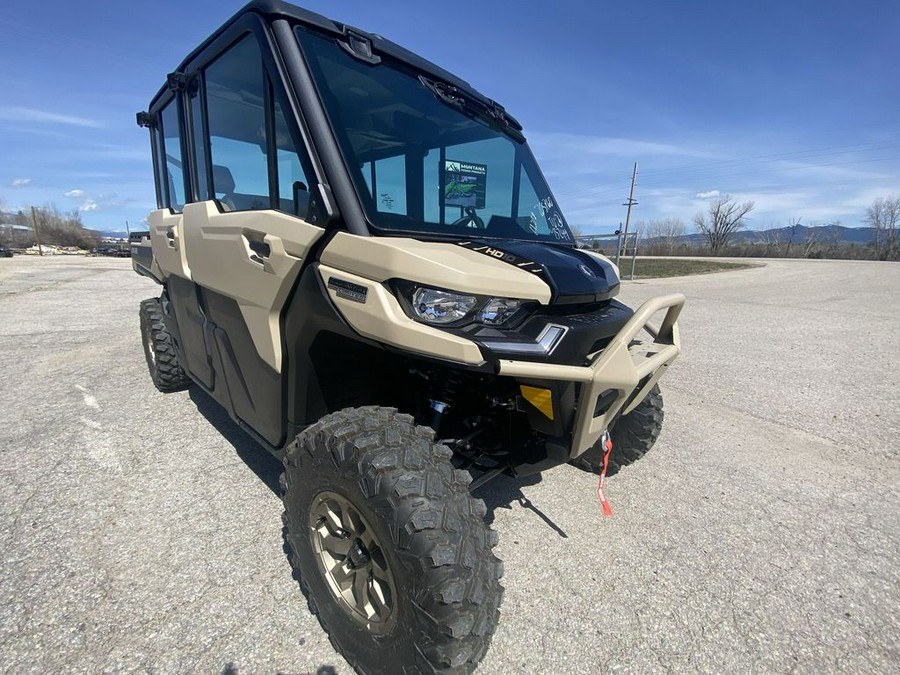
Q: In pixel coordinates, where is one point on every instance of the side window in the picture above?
(159, 166)
(235, 96)
(174, 175)
(293, 183)
(198, 134)
(254, 158)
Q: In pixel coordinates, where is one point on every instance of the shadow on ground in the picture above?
(258, 459)
(501, 492)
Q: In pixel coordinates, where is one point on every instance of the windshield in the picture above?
(424, 165)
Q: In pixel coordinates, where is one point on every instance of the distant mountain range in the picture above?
(837, 234)
(822, 233)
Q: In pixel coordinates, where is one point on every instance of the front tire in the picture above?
(162, 361)
(390, 549)
(633, 435)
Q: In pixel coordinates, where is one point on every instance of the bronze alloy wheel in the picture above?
(352, 561)
(151, 351)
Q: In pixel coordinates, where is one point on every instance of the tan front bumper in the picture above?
(622, 366)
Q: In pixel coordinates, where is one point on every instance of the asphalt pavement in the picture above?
(142, 531)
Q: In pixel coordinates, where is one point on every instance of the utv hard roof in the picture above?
(274, 9)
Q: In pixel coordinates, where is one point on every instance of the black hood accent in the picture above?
(573, 276)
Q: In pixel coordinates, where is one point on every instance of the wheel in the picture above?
(632, 436)
(390, 549)
(162, 361)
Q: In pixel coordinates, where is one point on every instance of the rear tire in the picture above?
(390, 549)
(633, 435)
(162, 361)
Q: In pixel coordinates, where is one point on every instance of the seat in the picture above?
(223, 184)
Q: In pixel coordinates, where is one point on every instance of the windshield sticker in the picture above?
(545, 211)
(465, 184)
(557, 228)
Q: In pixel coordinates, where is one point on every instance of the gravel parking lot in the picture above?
(142, 532)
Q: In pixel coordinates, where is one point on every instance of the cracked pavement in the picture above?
(141, 531)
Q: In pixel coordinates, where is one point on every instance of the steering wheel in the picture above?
(471, 220)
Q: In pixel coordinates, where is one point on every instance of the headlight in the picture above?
(441, 307)
(436, 306)
(498, 310)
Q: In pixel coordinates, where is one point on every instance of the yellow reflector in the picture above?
(542, 399)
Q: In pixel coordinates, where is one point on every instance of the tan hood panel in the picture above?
(381, 318)
(438, 264)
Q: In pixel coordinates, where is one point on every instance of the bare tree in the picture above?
(725, 217)
(883, 215)
(57, 228)
(670, 229)
(793, 227)
(773, 239)
(661, 235)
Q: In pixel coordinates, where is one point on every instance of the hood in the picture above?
(574, 276)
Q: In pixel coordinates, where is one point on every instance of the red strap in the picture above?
(604, 502)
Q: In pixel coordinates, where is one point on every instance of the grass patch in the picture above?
(654, 268)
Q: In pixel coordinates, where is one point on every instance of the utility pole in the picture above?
(128, 230)
(37, 232)
(631, 202)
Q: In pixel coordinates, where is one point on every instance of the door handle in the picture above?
(260, 248)
(265, 249)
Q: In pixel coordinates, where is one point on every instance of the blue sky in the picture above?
(792, 104)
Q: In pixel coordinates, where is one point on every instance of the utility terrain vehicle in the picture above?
(362, 262)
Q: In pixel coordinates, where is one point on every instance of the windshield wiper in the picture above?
(490, 111)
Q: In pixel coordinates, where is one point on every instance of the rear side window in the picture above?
(174, 174)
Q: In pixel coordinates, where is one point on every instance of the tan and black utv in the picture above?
(361, 261)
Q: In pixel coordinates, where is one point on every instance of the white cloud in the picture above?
(20, 114)
(709, 194)
(101, 201)
(20, 182)
(579, 144)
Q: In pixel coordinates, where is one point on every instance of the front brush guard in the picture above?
(625, 367)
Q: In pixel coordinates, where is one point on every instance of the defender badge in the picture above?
(347, 289)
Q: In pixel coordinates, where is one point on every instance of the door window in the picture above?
(235, 103)
(254, 158)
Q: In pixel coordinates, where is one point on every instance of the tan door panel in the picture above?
(167, 242)
(253, 257)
